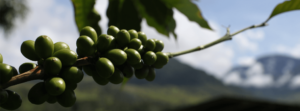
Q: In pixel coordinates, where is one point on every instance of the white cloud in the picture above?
(246, 61)
(247, 41)
(233, 78)
(254, 77)
(295, 82)
(244, 43)
(255, 35)
(260, 80)
(255, 69)
(293, 51)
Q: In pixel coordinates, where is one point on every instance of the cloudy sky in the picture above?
(282, 36)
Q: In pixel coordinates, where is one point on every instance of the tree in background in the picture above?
(10, 11)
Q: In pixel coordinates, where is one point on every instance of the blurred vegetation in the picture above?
(167, 91)
(10, 11)
(92, 97)
(128, 14)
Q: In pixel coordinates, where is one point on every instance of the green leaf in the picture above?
(123, 14)
(157, 15)
(86, 15)
(286, 6)
(190, 10)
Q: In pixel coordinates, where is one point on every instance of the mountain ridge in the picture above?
(279, 72)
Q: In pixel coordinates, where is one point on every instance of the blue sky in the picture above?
(55, 19)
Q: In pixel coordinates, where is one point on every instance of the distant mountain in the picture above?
(182, 75)
(281, 72)
(281, 69)
(275, 65)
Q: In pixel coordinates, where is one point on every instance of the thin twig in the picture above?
(226, 37)
(38, 73)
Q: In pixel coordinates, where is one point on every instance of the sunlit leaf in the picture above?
(86, 15)
(289, 5)
(123, 14)
(157, 15)
(190, 10)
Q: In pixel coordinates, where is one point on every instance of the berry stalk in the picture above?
(226, 37)
(38, 73)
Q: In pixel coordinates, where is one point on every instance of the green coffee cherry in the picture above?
(135, 43)
(60, 45)
(44, 46)
(142, 73)
(70, 85)
(133, 56)
(104, 67)
(150, 45)
(128, 71)
(80, 52)
(116, 56)
(99, 79)
(162, 59)
(113, 30)
(159, 45)
(28, 51)
(133, 34)
(151, 75)
(105, 43)
(66, 56)
(85, 45)
(13, 102)
(6, 72)
(3, 96)
(149, 58)
(26, 67)
(142, 36)
(85, 52)
(55, 86)
(117, 77)
(141, 50)
(15, 71)
(38, 94)
(51, 99)
(89, 70)
(67, 98)
(52, 66)
(123, 38)
(41, 62)
(72, 74)
(90, 32)
(138, 65)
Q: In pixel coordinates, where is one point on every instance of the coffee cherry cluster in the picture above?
(119, 54)
(115, 55)
(9, 100)
(61, 77)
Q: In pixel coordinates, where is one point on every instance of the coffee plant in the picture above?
(109, 58)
